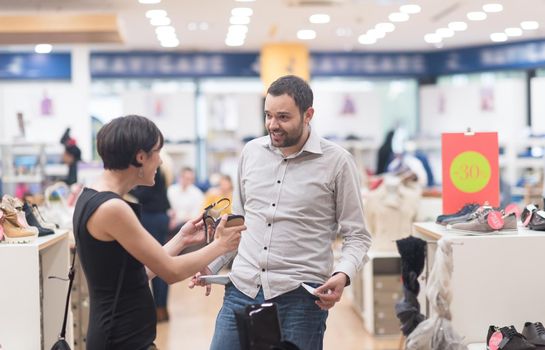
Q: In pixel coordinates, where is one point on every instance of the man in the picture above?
(185, 199)
(297, 192)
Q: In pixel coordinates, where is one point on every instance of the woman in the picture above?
(117, 253)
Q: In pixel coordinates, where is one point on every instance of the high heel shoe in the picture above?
(33, 221)
(43, 222)
(13, 231)
(16, 205)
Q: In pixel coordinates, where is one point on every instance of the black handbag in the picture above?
(259, 328)
(61, 343)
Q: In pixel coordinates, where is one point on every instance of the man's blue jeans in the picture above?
(301, 320)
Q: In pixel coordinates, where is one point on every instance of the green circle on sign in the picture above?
(470, 172)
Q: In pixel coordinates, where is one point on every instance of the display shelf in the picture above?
(496, 274)
(376, 291)
(32, 304)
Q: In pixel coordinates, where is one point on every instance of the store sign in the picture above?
(470, 169)
(32, 66)
(166, 65)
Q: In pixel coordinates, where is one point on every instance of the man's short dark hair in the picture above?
(121, 139)
(296, 88)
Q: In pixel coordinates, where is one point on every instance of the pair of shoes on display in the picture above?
(461, 214)
(506, 338)
(162, 314)
(14, 225)
(488, 221)
(32, 220)
(533, 218)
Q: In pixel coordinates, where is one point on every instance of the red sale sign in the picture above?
(470, 169)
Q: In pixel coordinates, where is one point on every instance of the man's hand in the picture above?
(195, 281)
(331, 291)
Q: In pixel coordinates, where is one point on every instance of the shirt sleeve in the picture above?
(350, 218)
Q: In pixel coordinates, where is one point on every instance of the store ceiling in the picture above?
(202, 25)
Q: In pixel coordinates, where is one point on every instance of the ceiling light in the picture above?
(319, 18)
(513, 31)
(375, 33)
(238, 29)
(343, 31)
(410, 9)
(476, 16)
(306, 34)
(491, 8)
(43, 48)
(529, 25)
(366, 39)
(160, 21)
(170, 43)
(398, 17)
(445, 32)
(239, 20)
(458, 26)
(149, 2)
(156, 13)
(168, 37)
(164, 30)
(242, 11)
(498, 37)
(385, 27)
(232, 42)
(432, 38)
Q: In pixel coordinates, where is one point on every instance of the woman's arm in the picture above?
(115, 220)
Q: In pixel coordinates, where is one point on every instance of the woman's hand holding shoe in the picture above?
(192, 232)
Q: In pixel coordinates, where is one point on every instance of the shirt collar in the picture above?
(311, 146)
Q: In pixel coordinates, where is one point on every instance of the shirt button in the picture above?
(285, 160)
(278, 181)
(265, 248)
(269, 225)
(262, 270)
(274, 205)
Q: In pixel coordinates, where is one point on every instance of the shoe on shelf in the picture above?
(506, 338)
(44, 223)
(535, 333)
(537, 222)
(33, 221)
(15, 204)
(465, 210)
(509, 222)
(527, 214)
(14, 232)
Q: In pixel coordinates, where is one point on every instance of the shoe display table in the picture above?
(497, 279)
(31, 304)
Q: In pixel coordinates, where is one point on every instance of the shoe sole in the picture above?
(478, 233)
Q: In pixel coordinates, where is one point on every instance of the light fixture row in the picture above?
(380, 30)
(238, 28)
(514, 31)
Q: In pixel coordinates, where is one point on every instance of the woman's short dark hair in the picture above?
(296, 88)
(121, 139)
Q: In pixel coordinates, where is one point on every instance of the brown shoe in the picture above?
(162, 314)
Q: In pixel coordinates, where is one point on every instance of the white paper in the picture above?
(217, 279)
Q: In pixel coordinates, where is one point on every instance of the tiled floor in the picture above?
(192, 318)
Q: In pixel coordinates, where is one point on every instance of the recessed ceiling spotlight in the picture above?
(170, 43)
(476, 16)
(514, 31)
(492, 8)
(498, 37)
(375, 33)
(156, 13)
(306, 34)
(385, 27)
(432, 38)
(319, 18)
(445, 32)
(410, 9)
(458, 26)
(242, 11)
(238, 29)
(398, 17)
(529, 25)
(164, 30)
(233, 42)
(239, 20)
(343, 31)
(43, 48)
(160, 21)
(192, 26)
(149, 2)
(366, 39)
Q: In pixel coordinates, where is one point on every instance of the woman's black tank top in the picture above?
(134, 326)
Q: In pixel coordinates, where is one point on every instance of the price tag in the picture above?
(470, 172)
(495, 220)
(495, 340)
